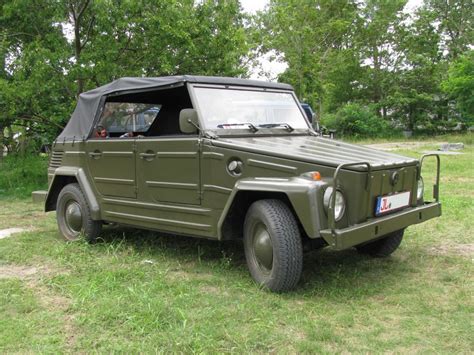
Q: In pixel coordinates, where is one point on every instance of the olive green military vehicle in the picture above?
(225, 158)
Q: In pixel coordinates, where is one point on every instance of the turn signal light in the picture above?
(316, 176)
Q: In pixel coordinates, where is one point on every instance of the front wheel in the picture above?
(383, 247)
(272, 244)
(73, 215)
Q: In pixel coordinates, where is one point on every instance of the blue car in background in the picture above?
(308, 110)
(330, 133)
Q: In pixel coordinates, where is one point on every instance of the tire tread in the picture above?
(288, 244)
(383, 247)
(92, 228)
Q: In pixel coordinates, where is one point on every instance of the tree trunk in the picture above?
(410, 124)
(22, 142)
(3, 53)
(77, 10)
(2, 142)
(376, 78)
(10, 138)
(3, 46)
(77, 54)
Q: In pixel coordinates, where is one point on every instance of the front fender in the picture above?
(303, 194)
(58, 183)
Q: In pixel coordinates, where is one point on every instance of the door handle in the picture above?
(147, 156)
(95, 154)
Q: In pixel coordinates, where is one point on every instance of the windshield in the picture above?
(237, 109)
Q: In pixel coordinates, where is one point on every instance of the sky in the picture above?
(274, 67)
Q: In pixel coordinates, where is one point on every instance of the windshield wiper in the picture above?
(272, 125)
(250, 125)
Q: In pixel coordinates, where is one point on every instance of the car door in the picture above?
(168, 169)
(112, 166)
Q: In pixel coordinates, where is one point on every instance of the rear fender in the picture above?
(65, 175)
(303, 194)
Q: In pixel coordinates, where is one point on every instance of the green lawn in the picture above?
(140, 291)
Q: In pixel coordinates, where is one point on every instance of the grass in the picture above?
(140, 291)
(464, 137)
(21, 175)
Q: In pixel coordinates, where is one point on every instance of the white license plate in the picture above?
(391, 203)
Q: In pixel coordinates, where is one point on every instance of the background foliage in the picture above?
(376, 54)
(361, 64)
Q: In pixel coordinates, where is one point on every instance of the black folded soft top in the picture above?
(89, 102)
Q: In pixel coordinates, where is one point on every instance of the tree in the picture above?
(373, 53)
(312, 36)
(414, 97)
(439, 32)
(52, 50)
(28, 50)
(460, 86)
(455, 23)
(376, 40)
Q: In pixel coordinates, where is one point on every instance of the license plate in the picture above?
(391, 203)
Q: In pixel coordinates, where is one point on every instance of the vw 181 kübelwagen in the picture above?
(224, 158)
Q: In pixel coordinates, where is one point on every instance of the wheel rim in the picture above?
(73, 217)
(262, 248)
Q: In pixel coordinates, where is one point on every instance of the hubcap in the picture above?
(73, 216)
(263, 249)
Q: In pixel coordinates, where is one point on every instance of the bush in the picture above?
(460, 86)
(357, 121)
(19, 176)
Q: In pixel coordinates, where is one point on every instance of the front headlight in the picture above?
(340, 206)
(420, 189)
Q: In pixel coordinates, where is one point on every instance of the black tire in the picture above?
(74, 216)
(383, 247)
(274, 218)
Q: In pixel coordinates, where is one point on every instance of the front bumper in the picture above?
(378, 227)
(39, 196)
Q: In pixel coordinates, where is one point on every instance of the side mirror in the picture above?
(188, 120)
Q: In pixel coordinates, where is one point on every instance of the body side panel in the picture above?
(111, 166)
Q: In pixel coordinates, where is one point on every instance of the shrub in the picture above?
(460, 86)
(19, 176)
(357, 121)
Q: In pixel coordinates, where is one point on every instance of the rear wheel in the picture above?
(383, 247)
(273, 247)
(73, 215)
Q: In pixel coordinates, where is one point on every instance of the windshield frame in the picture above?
(247, 132)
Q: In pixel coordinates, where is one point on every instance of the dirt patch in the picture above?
(300, 302)
(212, 289)
(402, 145)
(466, 250)
(32, 276)
(18, 272)
(292, 332)
(441, 152)
(458, 179)
(186, 275)
(5, 233)
(57, 303)
(70, 330)
(46, 297)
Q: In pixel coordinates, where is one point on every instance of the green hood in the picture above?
(318, 150)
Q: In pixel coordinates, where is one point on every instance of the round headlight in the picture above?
(340, 206)
(420, 189)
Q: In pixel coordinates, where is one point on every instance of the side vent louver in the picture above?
(56, 159)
